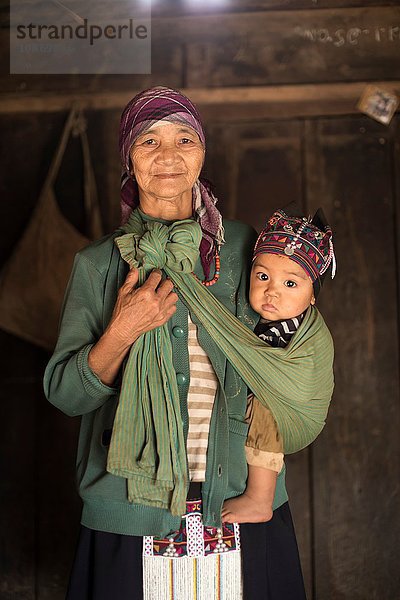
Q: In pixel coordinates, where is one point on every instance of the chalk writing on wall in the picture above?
(351, 36)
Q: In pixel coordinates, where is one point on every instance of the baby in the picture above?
(291, 258)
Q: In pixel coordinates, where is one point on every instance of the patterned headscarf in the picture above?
(145, 109)
(306, 241)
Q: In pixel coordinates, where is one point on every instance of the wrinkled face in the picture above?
(167, 160)
(279, 287)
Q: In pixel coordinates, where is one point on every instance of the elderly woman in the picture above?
(163, 430)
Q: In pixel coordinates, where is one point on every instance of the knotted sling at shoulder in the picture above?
(295, 383)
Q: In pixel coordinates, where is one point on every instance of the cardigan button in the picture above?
(178, 332)
(180, 378)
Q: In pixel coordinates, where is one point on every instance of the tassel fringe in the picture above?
(212, 577)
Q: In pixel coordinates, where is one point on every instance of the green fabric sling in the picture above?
(296, 382)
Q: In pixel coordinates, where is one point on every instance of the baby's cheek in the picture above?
(254, 297)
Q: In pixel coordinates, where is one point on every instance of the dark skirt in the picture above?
(109, 566)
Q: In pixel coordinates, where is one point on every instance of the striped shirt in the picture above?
(200, 400)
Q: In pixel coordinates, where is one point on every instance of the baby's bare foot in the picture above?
(246, 509)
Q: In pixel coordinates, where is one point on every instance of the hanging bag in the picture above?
(33, 281)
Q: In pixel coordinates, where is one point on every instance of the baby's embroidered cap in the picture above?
(307, 241)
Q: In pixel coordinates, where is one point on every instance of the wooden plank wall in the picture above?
(346, 166)
(250, 48)
(356, 513)
(345, 489)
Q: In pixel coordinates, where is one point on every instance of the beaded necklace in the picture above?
(216, 274)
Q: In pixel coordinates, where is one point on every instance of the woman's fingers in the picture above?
(166, 300)
(164, 289)
(153, 280)
(170, 300)
(130, 282)
(140, 309)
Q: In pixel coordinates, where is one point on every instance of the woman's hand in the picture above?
(136, 311)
